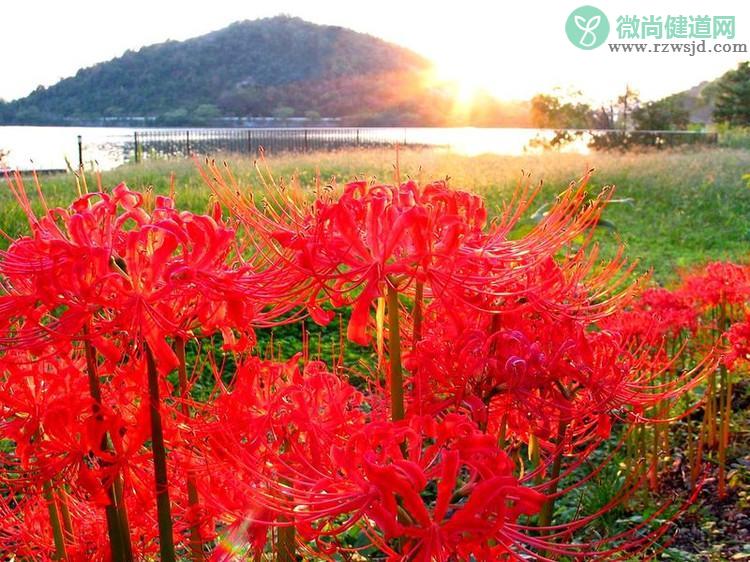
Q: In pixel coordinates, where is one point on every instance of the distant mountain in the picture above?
(699, 101)
(280, 67)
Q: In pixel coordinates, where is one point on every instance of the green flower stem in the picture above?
(196, 544)
(394, 355)
(118, 536)
(62, 504)
(163, 509)
(285, 544)
(54, 519)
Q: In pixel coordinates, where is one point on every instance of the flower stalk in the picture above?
(119, 536)
(54, 518)
(394, 355)
(548, 508)
(196, 543)
(163, 507)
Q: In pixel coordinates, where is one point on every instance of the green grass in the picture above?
(688, 206)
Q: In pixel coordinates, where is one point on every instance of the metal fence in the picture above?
(209, 141)
(180, 142)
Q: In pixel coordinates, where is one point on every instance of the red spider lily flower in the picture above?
(385, 475)
(477, 497)
(738, 344)
(374, 233)
(717, 283)
(56, 439)
(351, 247)
(276, 409)
(528, 373)
(656, 314)
(110, 265)
(25, 528)
(47, 412)
(107, 272)
(53, 446)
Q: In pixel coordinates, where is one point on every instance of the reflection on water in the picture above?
(47, 148)
(472, 142)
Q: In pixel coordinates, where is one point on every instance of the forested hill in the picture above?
(280, 67)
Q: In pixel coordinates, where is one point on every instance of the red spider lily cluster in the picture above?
(705, 312)
(720, 294)
(500, 365)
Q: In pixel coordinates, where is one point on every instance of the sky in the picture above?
(512, 49)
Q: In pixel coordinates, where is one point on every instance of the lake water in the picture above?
(46, 148)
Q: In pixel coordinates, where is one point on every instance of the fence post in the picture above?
(80, 153)
(357, 137)
(305, 140)
(187, 142)
(135, 140)
(249, 143)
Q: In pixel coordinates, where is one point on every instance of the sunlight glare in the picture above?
(472, 78)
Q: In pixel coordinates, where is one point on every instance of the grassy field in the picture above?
(687, 207)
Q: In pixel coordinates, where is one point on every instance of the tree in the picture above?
(283, 112)
(663, 115)
(175, 117)
(627, 103)
(29, 115)
(249, 100)
(551, 112)
(205, 112)
(312, 115)
(544, 108)
(708, 94)
(733, 97)
(603, 118)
